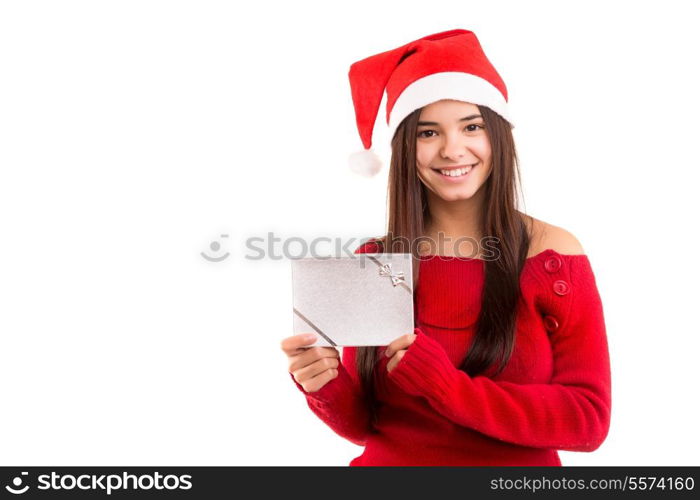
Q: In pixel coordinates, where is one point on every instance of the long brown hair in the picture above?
(500, 222)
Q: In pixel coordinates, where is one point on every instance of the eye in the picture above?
(420, 134)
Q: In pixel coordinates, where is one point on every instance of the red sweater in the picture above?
(554, 393)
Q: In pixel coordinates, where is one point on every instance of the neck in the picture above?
(452, 220)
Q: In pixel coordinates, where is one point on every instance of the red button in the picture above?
(552, 264)
(561, 287)
(551, 323)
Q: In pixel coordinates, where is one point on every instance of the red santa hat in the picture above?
(446, 65)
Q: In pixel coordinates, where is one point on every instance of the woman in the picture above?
(509, 360)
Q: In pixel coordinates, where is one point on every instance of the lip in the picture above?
(456, 167)
(455, 179)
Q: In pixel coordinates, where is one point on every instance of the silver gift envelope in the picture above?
(364, 300)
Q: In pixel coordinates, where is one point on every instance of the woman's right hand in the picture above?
(311, 367)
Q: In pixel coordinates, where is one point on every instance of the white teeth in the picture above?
(457, 172)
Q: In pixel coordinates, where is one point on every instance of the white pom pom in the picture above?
(365, 162)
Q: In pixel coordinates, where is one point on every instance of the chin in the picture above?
(457, 194)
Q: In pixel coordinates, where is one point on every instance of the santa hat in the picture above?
(446, 65)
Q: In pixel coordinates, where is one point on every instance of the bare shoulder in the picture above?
(546, 236)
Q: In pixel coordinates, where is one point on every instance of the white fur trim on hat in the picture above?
(447, 85)
(365, 162)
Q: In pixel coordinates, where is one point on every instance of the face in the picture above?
(451, 134)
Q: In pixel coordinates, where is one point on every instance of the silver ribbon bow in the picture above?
(396, 278)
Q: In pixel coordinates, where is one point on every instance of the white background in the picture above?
(134, 133)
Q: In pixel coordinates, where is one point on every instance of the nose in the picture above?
(454, 147)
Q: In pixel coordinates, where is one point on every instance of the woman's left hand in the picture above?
(397, 349)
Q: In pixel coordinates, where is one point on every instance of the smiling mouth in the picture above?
(455, 173)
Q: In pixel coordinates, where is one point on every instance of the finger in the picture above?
(310, 355)
(390, 364)
(292, 344)
(310, 371)
(395, 359)
(320, 380)
(400, 343)
(396, 345)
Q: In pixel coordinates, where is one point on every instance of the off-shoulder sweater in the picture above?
(554, 393)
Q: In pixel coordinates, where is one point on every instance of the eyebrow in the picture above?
(466, 118)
